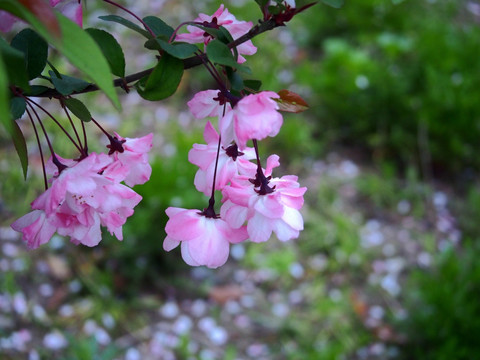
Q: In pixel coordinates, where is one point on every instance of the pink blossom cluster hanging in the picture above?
(85, 194)
(254, 203)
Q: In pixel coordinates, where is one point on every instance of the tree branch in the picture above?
(187, 63)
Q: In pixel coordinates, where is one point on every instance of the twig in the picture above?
(187, 63)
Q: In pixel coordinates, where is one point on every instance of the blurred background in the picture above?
(386, 266)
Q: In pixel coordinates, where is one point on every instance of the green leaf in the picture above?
(127, 23)
(5, 117)
(36, 90)
(254, 85)
(274, 10)
(236, 81)
(67, 85)
(337, 4)
(111, 49)
(13, 61)
(54, 69)
(261, 3)
(21, 147)
(74, 44)
(219, 53)
(158, 26)
(17, 107)
(84, 53)
(78, 109)
(35, 50)
(179, 50)
(221, 33)
(163, 81)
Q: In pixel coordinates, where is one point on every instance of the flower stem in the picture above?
(255, 145)
(56, 122)
(83, 153)
(209, 212)
(59, 165)
(213, 71)
(260, 179)
(102, 129)
(133, 14)
(85, 144)
(39, 149)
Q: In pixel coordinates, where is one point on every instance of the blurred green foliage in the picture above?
(388, 191)
(443, 315)
(88, 349)
(399, 78)
(469, 208)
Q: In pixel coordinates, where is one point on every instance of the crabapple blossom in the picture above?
(80, 199)
(36, 228)
(272, 206)
(254, 117)
(203, 105)
(204, 240)
(221, 17)
(230, 162)
(130, 159)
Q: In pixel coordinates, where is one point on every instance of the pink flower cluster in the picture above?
(255, 205)
(221, 17)
(70, 8)
(87, 194)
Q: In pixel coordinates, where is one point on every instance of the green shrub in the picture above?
(399, 78)
(443, 310)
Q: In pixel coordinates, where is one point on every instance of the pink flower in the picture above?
(131, 165)
(203, 105)
(231, 162)
(204, 241)
(79, 201)
(221, 17)
(35, 227)
(254, 117)
(275, 210)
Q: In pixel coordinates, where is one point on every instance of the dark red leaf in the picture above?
(291, 102)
